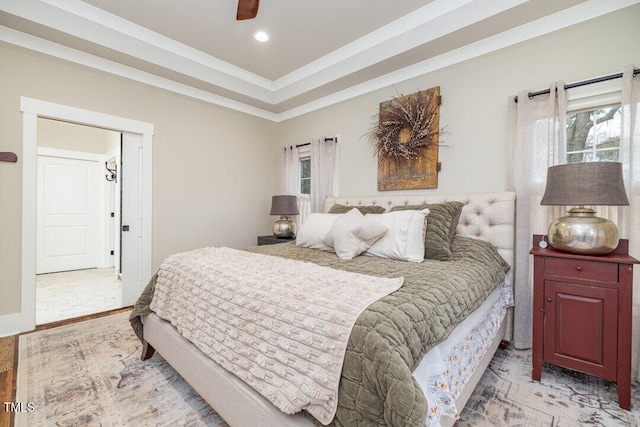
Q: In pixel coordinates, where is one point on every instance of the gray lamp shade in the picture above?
(284, 205)
(580, 184)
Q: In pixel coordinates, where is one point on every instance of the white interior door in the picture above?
(131, 220)
(67, 214)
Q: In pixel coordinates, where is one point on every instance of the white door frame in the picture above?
(31, 110)
(111, 223)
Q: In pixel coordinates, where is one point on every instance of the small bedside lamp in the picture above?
(580, 184)
(284, 206)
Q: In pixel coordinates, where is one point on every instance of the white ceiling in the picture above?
(320, 51)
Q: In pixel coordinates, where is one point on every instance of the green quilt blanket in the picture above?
(391, 337)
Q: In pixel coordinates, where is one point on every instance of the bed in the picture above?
(484, 217)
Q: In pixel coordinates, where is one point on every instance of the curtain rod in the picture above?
(333, 138)
(582, 83)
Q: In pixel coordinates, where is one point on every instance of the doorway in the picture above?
(77, 232)
(136, 243)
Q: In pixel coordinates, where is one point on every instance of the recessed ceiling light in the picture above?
(261, 36)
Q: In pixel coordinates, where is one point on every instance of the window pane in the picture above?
(305, 168)
(608, 155)
(305, 186)
(575, 158)
(305, 176)
(593, 135)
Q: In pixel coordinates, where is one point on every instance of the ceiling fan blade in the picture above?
(247, 9)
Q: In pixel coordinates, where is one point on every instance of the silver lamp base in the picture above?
(582, 232)
(284, 228)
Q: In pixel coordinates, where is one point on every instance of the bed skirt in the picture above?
(237, 403)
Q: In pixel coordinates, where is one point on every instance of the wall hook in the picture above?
(8, 157)
(113, 173)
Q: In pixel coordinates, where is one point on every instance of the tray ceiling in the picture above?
(319, 52)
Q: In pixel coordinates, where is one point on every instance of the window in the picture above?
(593, 135)
(305, 175)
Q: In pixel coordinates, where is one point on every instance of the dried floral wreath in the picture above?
(406, 129)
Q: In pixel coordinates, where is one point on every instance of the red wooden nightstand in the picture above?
(582, 313)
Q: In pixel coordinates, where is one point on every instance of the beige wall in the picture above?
(214, 170)
(69, 136)
(474, 109)
(213, 173)
(474, 103)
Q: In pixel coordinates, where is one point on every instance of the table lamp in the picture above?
(284, 206)
(581, 184)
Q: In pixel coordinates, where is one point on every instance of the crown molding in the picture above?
(46, 47)
(114, 23)
(370, 41)
(566, 18)
(425, 25)
(92, 24)
(306, 78)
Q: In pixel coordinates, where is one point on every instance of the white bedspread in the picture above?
(280, 325)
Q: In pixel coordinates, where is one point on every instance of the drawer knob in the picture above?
(548, 299)
(579, 268)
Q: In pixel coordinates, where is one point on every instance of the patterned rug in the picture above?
(507, 396)
(90, 373)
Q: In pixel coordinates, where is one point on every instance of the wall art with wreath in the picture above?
(405, 140)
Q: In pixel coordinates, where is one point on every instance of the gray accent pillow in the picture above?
(441, 226)
(341, 209)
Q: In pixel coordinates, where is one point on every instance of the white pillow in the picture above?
(352, 234)
(314, 229)
(405, 239)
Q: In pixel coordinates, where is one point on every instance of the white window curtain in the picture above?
(323, 154)
(323, 159)
(304, 206)
(536, 140)
(628, 220)
(290, 181)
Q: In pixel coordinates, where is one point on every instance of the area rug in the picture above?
(507, 396)
(90, 373)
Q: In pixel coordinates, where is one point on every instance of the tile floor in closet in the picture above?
(70, 294)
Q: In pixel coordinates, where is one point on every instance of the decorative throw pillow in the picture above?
(405, 239)
(353, 233)
(314, 229)
(338, 209)
(441, 226)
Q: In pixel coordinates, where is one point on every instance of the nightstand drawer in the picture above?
(581, 269)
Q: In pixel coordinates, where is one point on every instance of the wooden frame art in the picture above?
(406, 141)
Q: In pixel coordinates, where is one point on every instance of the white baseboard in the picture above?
(10, 324)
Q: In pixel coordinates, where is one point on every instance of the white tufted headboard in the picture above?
(486, 216)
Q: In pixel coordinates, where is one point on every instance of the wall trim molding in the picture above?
(10, 324)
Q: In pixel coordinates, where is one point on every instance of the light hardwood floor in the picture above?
(8, 370)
